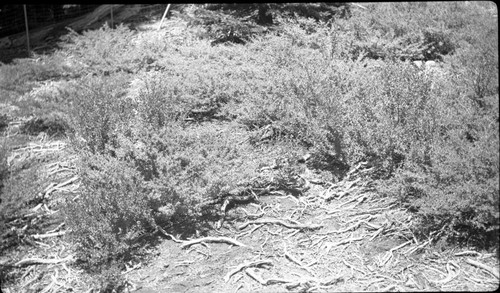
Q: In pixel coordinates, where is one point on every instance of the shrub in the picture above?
(434, 132)
(112, 210)
(99, 111)
(306, 86)
(452, 179)
(108, 50)
(21, 76)
(151, 175)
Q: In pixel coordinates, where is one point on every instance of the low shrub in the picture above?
(417, 124)
(22, 74)
(111, 212)
(98, 111)
(109, 50)
(150, 159)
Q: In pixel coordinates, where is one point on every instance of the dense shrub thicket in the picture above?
(144, 163)
(345, 90)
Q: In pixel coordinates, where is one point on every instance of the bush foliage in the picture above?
(345, 90)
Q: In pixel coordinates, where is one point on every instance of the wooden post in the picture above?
(27, 30)
(164, 15)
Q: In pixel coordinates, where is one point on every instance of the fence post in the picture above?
(164, 15)
(27, 30)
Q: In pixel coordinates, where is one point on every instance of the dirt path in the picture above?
(363, 244)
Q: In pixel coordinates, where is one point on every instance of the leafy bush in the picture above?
(21, 76)
(143, 165)
(157, 176)
(99, 111)
(412, 31)
(112, 210)
(108, 50)
(149, 159)
(417, 124)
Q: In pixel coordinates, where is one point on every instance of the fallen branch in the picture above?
(353, 267)
(48, 235)
(330, 245)
(250, 215)
(360, 198)
(53, 188)
(212, 239)
(340, 210)
(54, 281)
(296, 261)
(347, 241)
(490, 270)
(372, 211)
(401, 246)
(282, 223)
(131, 268)
(361, 164)
(389, 254)
(57, 228)
(351, 228)
(249, 232)
(468, 252)
(270, 281)
(450, 276)
(169, 235)
(39, 261)
(247, 265)
(378, 232)
(412, 250)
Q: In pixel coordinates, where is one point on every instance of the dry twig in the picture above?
(212, 239)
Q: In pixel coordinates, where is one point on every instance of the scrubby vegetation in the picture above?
(163, 126)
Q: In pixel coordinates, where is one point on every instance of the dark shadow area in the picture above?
(51, 32)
